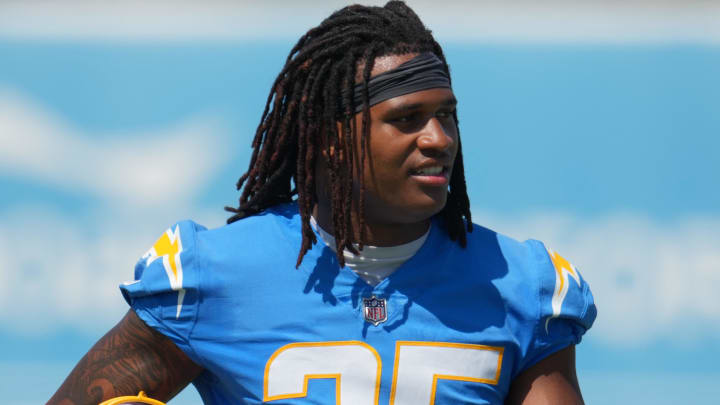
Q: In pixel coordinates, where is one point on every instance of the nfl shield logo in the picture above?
(374, 310)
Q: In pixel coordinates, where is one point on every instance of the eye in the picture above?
(405, 119)
(445, 113)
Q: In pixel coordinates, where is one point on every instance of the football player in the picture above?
(350, 272)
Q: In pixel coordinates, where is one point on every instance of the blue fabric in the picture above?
(244, 300)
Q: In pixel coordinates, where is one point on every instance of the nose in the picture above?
(436, 137)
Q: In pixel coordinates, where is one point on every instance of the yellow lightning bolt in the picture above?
(560, 264)
(562, 269)
(168, 247)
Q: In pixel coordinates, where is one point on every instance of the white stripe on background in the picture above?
(554, 21)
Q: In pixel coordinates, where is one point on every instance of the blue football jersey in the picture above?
(451, 325)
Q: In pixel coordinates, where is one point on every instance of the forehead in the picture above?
(390, 62)
(383, 64)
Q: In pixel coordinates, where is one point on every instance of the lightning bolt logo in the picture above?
(168, 247)
(563, 268)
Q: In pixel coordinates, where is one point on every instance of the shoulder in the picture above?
(273, 232)
(187, 253)
(540, 286)
(533, 263)
(545, 292)
(190, 264)
(279, 221)
(515, 258)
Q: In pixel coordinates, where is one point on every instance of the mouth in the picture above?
(429, 171)
(436, 175)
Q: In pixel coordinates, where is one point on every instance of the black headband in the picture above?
(423, 72)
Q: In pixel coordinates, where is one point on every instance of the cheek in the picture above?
(390, 150)
(387, 167)
(386, 155)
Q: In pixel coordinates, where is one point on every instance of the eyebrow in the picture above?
(449, 102)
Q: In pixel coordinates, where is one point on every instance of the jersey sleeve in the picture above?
(166, 288)
(566, 306)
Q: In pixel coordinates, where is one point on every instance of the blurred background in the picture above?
(593, 126)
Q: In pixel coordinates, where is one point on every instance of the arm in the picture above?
(129, 358)
(550, 381)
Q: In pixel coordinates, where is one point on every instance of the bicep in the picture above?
(550, 381)
(129, 358)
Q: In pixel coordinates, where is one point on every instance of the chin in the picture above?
(406, 207)
(423, 210)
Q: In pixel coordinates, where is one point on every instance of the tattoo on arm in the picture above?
(129, 358)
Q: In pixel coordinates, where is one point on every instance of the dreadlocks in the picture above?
(310, 109)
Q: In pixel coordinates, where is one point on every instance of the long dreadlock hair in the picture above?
(310, 96)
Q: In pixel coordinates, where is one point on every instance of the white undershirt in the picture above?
(374, 263)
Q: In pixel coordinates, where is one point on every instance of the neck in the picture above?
(376, 233)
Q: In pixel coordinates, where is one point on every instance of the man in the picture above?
(394, 296)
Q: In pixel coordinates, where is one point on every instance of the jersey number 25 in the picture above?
(356, 368)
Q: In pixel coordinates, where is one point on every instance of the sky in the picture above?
(591, 126)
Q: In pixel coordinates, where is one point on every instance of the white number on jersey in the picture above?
(356, 368)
